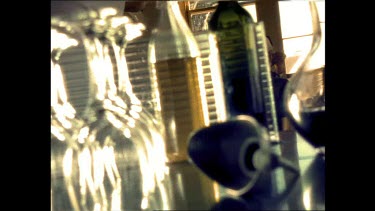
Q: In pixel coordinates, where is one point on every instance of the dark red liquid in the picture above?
(313, 127)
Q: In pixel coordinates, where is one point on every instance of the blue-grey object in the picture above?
(236, 154)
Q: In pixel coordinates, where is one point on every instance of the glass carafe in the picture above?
(121, 156)
(304, 96)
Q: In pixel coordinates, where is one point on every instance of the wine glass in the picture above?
(304, 96)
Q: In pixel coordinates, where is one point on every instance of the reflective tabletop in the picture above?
(190, 189)
(186, 187)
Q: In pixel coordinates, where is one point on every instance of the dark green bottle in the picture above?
(233, 28)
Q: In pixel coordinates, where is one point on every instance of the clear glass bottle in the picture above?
(119, 161)
(178, 81)
(244, 70)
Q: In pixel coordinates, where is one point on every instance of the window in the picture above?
(296, 29)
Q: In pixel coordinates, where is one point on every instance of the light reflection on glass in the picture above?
(67, 162)
(127, 133)
(307, 198)
(61, 41)
(116, 197)
(97, 182)
(216, 77)
(144, 203)
(114, 121)
(294, 107)
(180, 185)
(107, 11)
(202, 91)
(83, 134)
(63, 110)
(56, 132)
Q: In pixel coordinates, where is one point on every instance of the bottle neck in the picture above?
(170, 15)
(172, 38)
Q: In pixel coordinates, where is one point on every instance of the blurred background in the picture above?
(287, 23)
